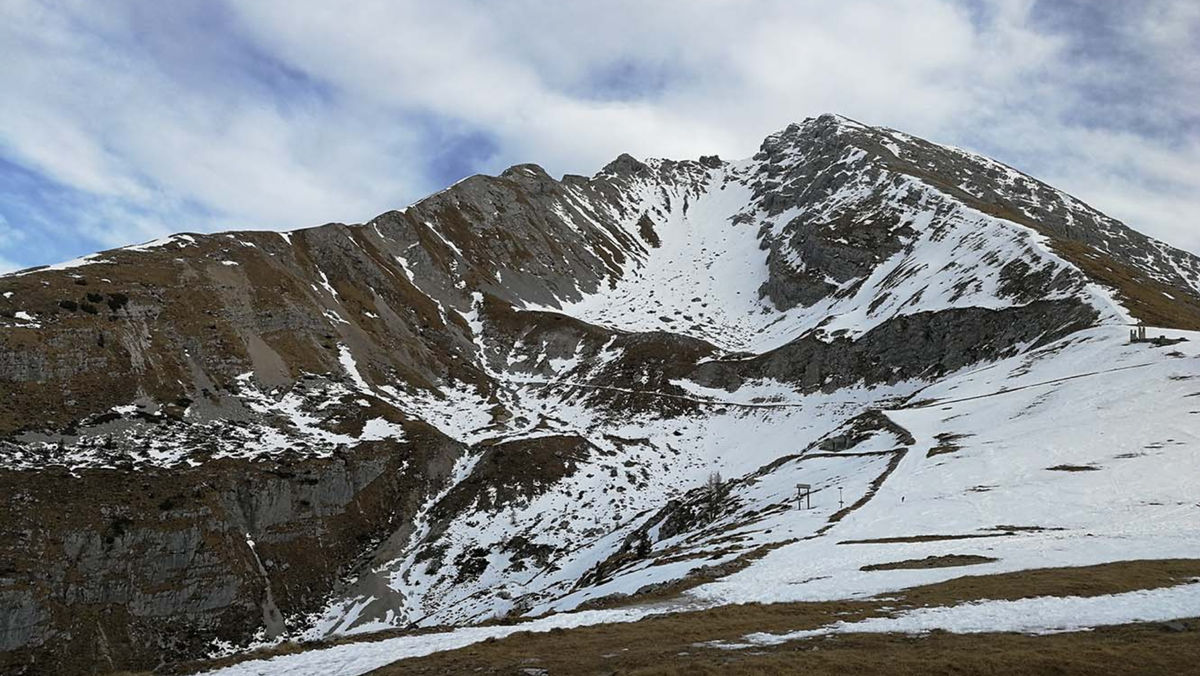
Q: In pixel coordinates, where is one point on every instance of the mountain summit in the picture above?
(523, 395)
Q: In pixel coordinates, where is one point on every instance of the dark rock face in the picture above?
(845, 248)
(805, 162)
(193, 323)
(924, 345)
(524, 237)
(530, 339)
(511, 471)
(106, 571)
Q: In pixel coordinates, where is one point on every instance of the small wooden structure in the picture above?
(803, 496)
(1138, 333)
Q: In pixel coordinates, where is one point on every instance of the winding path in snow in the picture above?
(551, 384)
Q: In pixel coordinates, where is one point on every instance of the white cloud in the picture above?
(188, 132)
(740, 71)
(100, 116)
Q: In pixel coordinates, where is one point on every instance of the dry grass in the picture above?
(1108, 578)
(947, 443)
(1073, 468)
(1130, 649)
(621, 647)
(1142, 296)
(905, 539)
(948, 561)
(672, 644)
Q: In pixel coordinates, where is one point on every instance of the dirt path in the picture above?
(1055, 381)
(551, 384)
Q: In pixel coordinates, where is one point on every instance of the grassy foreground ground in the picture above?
(675, 644)
(1130, 649)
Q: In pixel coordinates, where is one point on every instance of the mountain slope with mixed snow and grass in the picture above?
(528, 400)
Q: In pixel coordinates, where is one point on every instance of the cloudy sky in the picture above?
(122, 121)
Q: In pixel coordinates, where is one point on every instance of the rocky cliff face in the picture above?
(110, 569)
(456, 411)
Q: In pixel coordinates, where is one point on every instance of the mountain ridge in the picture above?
(488, 403)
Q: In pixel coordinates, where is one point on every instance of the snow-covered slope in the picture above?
(859, 243)
(1082, 452)
(523, 395)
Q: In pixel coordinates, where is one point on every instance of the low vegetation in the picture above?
(681, 643)
(948, 561)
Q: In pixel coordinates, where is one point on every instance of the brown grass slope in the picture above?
(674, 644)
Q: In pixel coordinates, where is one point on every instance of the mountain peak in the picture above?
(821, 129)
(626, 164)
(526, 171)
(510, 397)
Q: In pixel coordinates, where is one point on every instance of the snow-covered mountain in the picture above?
(524, 395)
